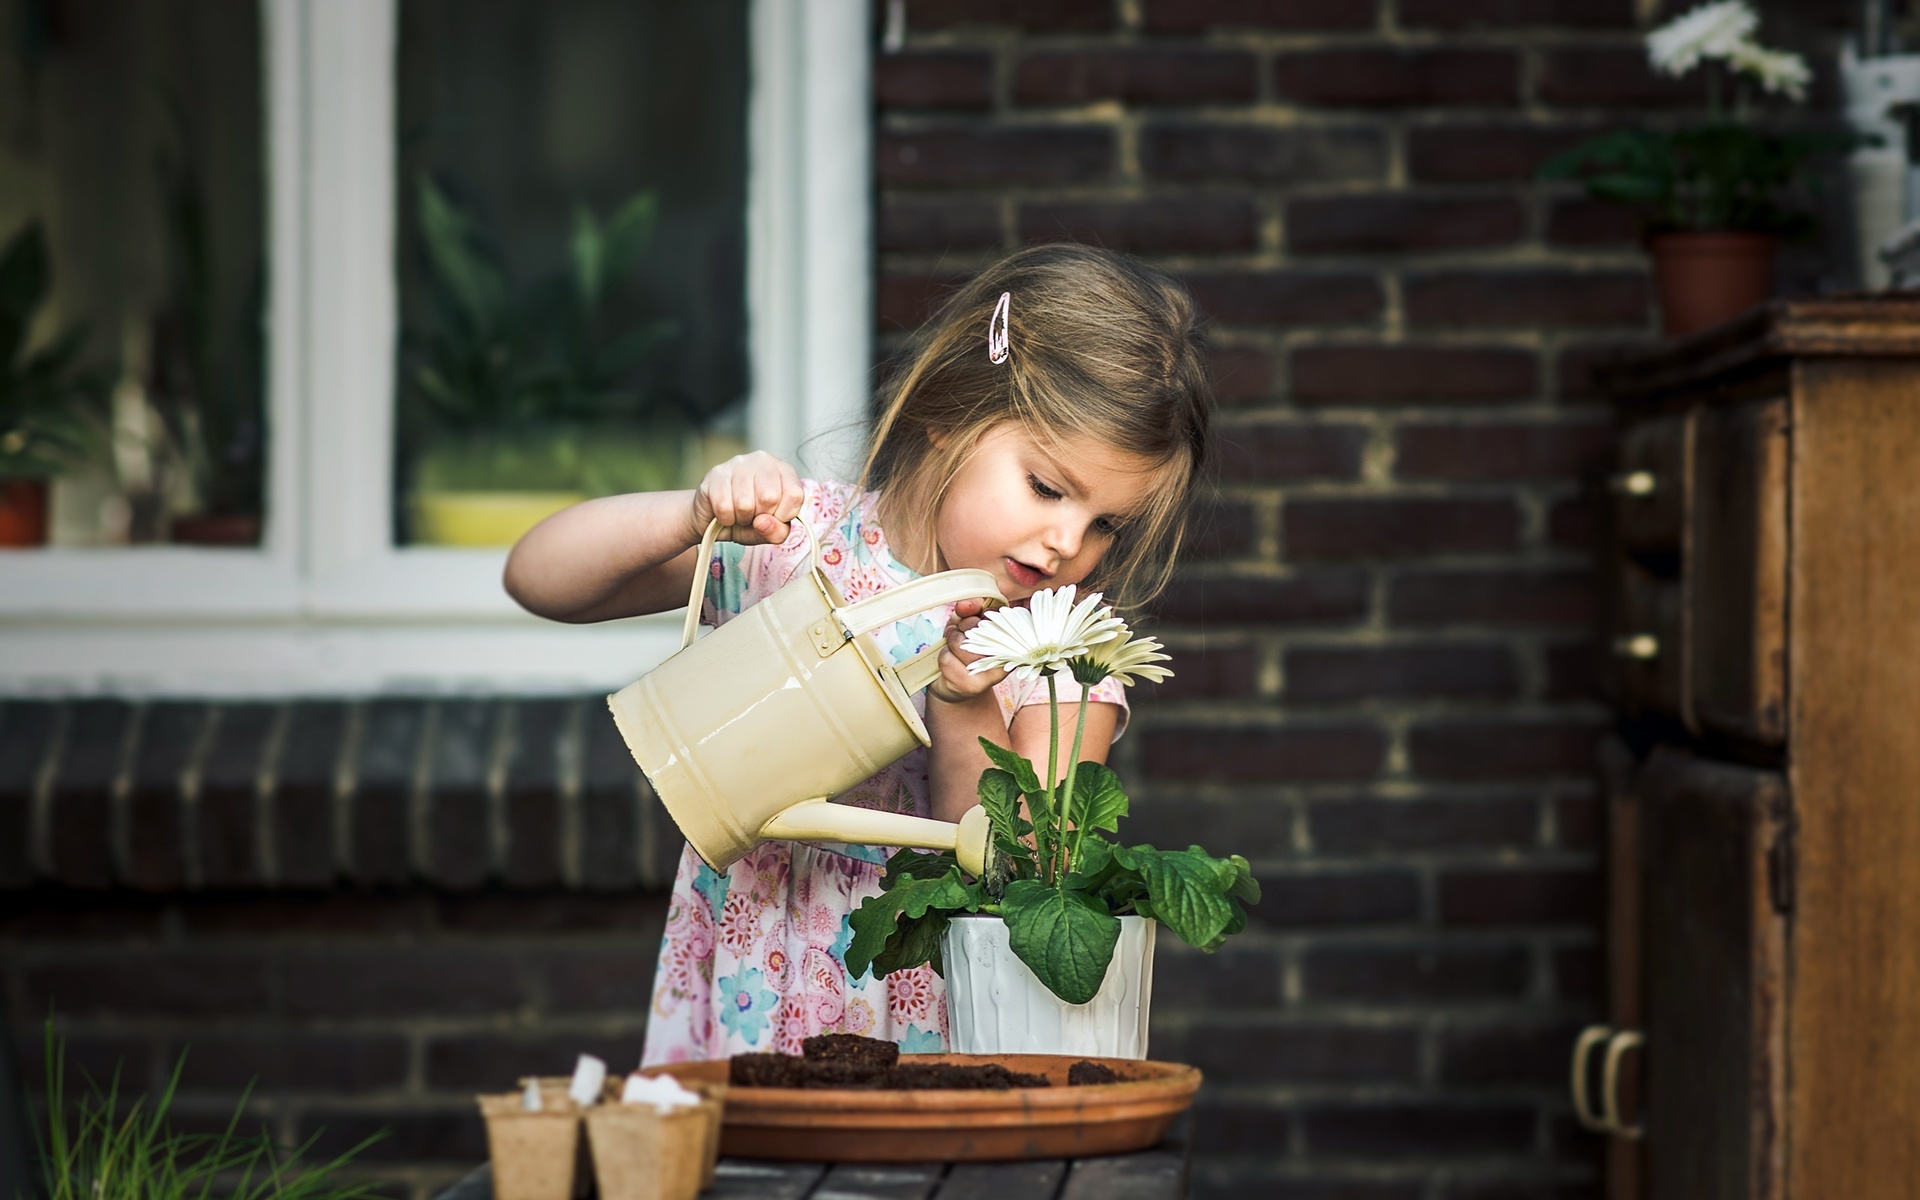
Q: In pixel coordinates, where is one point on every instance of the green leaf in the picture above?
(1000, 796)
(1098, 800)
(876, 922)
(628, 232)
(913, 943)
(473, 281)
(1246, 888)
(1064, 937)
(588, 249)
(1189, 890)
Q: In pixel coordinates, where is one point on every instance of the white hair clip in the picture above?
(997, 329)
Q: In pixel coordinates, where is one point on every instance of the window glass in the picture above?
(132, 272)
(571, 242)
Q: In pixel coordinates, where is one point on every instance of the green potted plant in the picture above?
(521, 400)
(50, 405)
(1029, 952)
(1716, 195)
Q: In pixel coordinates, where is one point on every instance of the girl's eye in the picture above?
(1042, 490)
(1107, 526)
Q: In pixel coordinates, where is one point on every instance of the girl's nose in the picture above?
(1064, 538)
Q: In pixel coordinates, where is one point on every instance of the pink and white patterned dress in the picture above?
(754, 959)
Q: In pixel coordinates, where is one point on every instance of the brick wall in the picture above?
(1383, 696)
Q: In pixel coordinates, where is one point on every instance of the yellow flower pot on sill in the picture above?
(483, 518)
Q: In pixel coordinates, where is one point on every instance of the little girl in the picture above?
(1049, 428)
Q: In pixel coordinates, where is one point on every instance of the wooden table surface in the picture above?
(1156, 1174)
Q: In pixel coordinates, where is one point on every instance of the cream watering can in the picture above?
(746, 733)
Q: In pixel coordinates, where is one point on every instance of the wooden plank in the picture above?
(879, 1181)
(1881, 326)
(1737, 574)
(1624, 1168)
(1715, 973)
(1157, 1174)
(1854, 1028)
(476, 1185)
(744, 1179)
(1038, 1180)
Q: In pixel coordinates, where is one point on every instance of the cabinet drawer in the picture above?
(1650, 485)
(1647, 646)
(1736, 572)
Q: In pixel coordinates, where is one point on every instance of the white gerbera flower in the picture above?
(1710, 31)
(1039, 639)
(1125, 658)
(1776, 70)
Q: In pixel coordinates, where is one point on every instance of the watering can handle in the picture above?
(717, 532)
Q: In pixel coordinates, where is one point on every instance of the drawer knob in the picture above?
(1634, 483)
(1641, 646)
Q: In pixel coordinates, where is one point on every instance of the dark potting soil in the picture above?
(844, 1060)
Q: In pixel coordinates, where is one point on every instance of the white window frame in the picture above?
(328, 605)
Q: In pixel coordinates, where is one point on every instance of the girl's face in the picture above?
(1039, 515)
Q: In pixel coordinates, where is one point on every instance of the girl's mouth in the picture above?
(1025, 575)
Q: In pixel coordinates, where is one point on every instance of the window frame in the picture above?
(328, 604)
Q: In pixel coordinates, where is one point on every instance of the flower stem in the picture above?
(1056, 832)
(1073, 768)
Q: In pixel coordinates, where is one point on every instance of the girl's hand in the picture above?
(956, 685)
(756, 494)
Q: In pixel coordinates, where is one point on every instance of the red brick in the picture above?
(1391, 78)
(1196, 16)
(1290, 753)
(1220, 529)
(1503, 450)
(1575, 366)
(637, 916)
(284, 1060)
(1420, 974)
(1500, 747)
(1487, 152)
(1361, 826)
(1286, 297)
(1570, 671)
(1401, 222)
(1325, 899)
(1245, 1127)
(933, 79)
(1240, 373)
(1508, 597)
(1354, 373)
(1047, 15)
(89, 1059)
(148, 984)
(1223, 672)
(60, 915)
(585, 981)
(1579, 221)
(1262, 154)
(1289, 452)
(1508, 1052)
(1329, 529)
(401, 984)
(1570, 522)
(1316, 596)
(1576, 973)
(1577, 821)
(1335, 673)
(306, 914)
(1507, 14)
(910, 224)
(1256, 829)
(482, 1060)
(1240, 975)
(1303, 1053)
(1436, 1130)
(1526, 297)
(1195, 223)
(1527, 896)
(1136, 77)
(452, 1135)
(905, 299)
(1612, 77)
(973, 156)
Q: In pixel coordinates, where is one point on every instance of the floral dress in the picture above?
(754, 958)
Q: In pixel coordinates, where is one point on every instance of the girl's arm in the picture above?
(624, 556)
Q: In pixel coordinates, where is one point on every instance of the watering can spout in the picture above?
(818, 821)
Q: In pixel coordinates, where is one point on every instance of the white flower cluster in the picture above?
(1724, 31)
(1053, 632)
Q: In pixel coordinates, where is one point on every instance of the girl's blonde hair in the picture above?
(1102, 346)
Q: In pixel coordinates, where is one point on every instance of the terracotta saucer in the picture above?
(873, 1125)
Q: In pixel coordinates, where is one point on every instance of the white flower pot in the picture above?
(995, 1005)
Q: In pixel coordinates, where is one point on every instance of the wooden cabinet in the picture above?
(1762, 569)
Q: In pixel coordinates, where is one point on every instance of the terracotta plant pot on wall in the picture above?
(23, 512)
(1704, 278)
